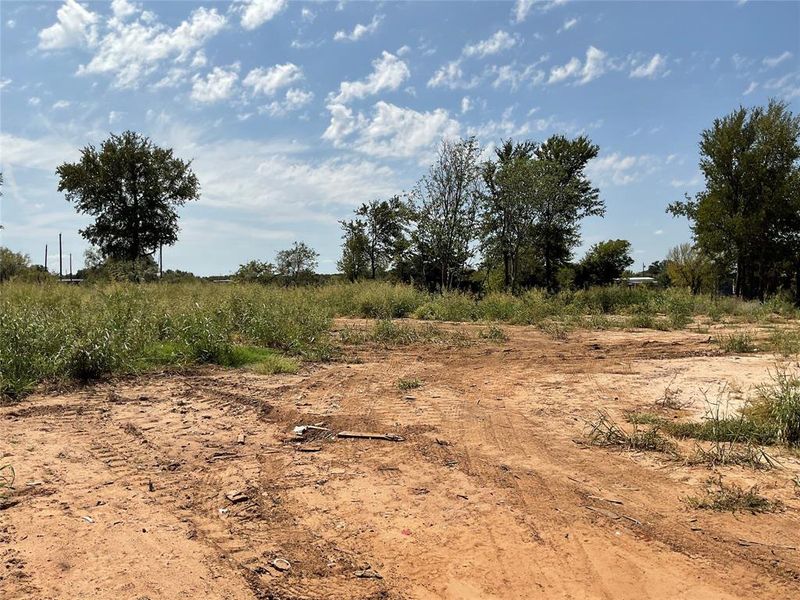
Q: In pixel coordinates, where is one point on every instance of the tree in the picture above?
(299, 260)
(255, 271)
(508, 210)
(687, 266)
(354, 263)
(132, 188)
(567, 196)
(383, 226)
(12, 264)
(603, 263)
(747, 219)
(446, 206)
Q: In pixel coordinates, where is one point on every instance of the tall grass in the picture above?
(52, 332)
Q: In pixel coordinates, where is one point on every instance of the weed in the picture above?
(784, 342)
(409, 384)
(777, 406)
(604, 431)
(739, 343)
(723, 497)
(494, 334)
(7, 476)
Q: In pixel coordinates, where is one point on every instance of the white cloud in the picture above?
(773, 61)
(122, 9)
(114, 116)
(390, 131)
(257, 12)
(308, 15)
(568, 24)
(594, 67)
(131, 51)
(658, 232)
(618, 169)
(4, 82)
(61, 104)
(515, 76)
(498, 42)
(75, 26)
(295, 99)
(34, 101)
(269, 81)
(218, 85)
(466, 104)
(388, 73)
(741, 62)
(653, 68)
(359, 31)
(750, 88)
(11, 23)
(451, 75)
(694, 181)
(523, 7)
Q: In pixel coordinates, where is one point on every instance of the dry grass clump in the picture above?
(723, 497)
(606, 432)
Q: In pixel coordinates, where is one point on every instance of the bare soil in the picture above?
(125, 489)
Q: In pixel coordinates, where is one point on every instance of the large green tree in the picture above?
(383, 227)
(446, 208)
(298, 261)
(603, 263)
(508, 211)
(132, 188)
(354, 262)
(748, 216)
(567, 197)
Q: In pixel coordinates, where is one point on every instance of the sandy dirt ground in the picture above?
(193, 485)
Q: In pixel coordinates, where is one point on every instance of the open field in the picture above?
(125, 488)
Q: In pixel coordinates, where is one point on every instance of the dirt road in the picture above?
(128, 489)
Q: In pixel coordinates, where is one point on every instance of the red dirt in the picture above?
(121, 487)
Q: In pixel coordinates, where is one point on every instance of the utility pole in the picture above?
(60, 260)
(160, 261)
(70, 267)
(45, 258)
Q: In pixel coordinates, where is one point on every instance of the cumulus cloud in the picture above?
(75, 26)
(61, 104)
(122, 9)
(498, 42)
(619, 169)
(773, 61)
(514, 75)
(750, 88)
(268, 81)
(257, 12)
(295, 99)
(594, 66)
(218, 85)
(451, 75)
(651, 69)
(131, 51)
(390, 131)
(359, 31)
(466, 104)
(388, 73)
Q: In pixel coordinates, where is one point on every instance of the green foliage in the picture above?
(409, 383)
(777, 406)
(603, 263)
(132, 189)
(723, 497)
(255, 271)
(740, 342)
(51, 333)
(748, 216)
(297, 262)
(16, 266)
(688, 266)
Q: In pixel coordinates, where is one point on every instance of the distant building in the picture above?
(635, 281)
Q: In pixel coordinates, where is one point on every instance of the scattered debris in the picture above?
(409, 397)
(88, 519)
(236, 496)
(223, 512)
(606, 513)
(612, 500)
(368, 573)
(309, 448)
(420, 491)
(281, 564)
(240, 438)
(222, 456)
(390, 437)
(743, 542)
(34, 483)
(462, 496)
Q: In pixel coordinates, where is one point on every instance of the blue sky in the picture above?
(296, 112)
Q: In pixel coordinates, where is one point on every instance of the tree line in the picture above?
(509, 222)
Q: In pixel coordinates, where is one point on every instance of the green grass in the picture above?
(741, 342)
(409, 383)
(723, 497)
(52, 333)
